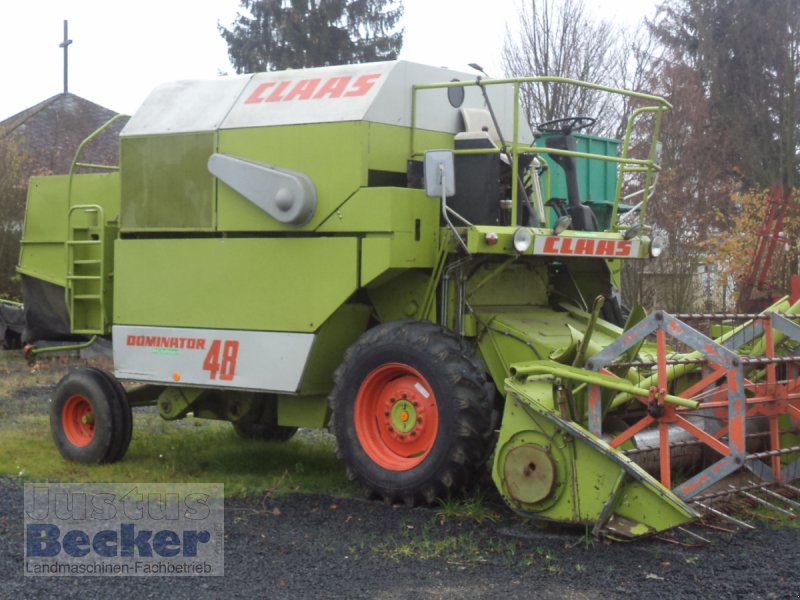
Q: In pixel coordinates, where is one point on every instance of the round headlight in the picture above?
(657, 246)
(522, 239)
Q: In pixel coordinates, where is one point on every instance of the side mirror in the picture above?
(440, 173)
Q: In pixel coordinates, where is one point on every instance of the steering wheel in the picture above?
(566, 125)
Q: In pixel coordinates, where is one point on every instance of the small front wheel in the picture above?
(90, 417)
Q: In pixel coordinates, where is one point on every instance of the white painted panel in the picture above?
(253, 360)
(186, 106)
(434, 111)
(318, 95)
(376, 92)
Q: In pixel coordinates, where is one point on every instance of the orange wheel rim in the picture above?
(396, 417)
(77, 418)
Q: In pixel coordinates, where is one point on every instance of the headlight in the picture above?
(657, 246)
(522, 239)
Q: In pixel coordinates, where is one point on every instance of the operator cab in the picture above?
(483, 181)
(561, 138)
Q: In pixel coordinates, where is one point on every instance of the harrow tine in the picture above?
(725, 516)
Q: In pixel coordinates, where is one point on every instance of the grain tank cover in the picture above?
(373, 92)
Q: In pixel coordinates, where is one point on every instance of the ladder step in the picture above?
(87, 272)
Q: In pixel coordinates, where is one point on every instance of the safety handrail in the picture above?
(627, 164)
(76, 160)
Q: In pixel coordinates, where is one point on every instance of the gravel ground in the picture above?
(314, 546)
(311, 546)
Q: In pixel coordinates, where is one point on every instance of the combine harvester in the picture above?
(368, 248)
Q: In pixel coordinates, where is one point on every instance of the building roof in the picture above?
(49, 133)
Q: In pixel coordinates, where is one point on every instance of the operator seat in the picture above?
(483, 180)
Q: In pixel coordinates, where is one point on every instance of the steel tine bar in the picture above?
(763, 502)
(791, 487)
(694, 535)
(778, 496)
(722, 515)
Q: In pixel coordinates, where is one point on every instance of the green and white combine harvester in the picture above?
(369, 248)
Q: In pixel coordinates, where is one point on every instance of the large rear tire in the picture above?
(411, 412)
(90, 417)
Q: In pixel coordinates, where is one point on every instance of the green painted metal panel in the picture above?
(390, 146)
(536, 333)
(305, 148)
(303, 411)
(43, 251)
(340, 158)
(404, 224)
(334, 337)
(591, 484)
(385, 210)
(165, 182)
(400, 296)
(269, 284)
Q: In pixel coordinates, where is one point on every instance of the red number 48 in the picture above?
(221, 359)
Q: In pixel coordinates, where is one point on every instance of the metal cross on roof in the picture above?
(65, 45)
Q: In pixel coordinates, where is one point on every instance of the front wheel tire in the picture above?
(411, 412)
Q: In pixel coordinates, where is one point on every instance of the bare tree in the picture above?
(13, 184)
(558, 38)
(634, 66)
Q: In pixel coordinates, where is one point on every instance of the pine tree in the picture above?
(270, 35)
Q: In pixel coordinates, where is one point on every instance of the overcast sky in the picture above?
(120, 51)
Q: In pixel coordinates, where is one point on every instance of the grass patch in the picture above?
(749, 512)
(461, 548)
(475, 506)
(188, 450)
(185, 451)
(435, 541)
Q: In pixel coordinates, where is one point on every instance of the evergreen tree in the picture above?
(270, 35)
(747, 56)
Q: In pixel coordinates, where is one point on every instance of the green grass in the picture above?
(474, 506)
(186, 451)
(461, 548)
